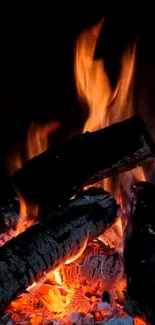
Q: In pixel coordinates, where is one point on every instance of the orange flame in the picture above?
(92, 83)
(37, 142)
(139, 321)
(106, 106)
(80, 252)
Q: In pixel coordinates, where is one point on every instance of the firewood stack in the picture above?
(70, 217)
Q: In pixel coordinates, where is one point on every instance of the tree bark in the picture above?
(57, 174)
(43, 247)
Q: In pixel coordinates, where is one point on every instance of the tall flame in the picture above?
(106, 106)
(92, 83)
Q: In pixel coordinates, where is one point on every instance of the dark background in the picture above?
(36, 62)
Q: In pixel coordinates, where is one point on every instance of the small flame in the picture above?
(57, 276)
(80, 252)
(27, 215)
(139, 321)
(37, 140)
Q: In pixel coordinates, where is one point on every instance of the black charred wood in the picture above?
(9, 215)
(89, 202)
(43, 247)
(139, 252)
(55, 175)
(9, 204)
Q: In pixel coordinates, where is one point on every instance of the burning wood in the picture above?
(58, 173)
(139, 253)
(43, 247)
(94, 270)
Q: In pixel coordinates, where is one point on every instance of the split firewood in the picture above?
(43, 247)
(55, 175)
(139, 253)
(93, 270)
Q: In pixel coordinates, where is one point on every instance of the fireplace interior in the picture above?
(77, 191)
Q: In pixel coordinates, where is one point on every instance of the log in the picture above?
(9, 204)
(93, 270)
(43, 247)
(56, 175)
(86, 202)
(139, 253)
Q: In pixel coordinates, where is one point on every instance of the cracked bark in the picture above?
(43, 247)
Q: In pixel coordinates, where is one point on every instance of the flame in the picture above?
(57, 276)
(106, 106)
(37, 140)
(139, 321)
(80, 252)
(93, 87)
(36, 143)
(122, 107)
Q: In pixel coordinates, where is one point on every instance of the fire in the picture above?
(37, 140)
(80, 252)
(36, 143)
(106, 105)
(92, 83)
(27, 215)
(139, 321)
(55, 299)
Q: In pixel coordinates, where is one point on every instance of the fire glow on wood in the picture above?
(87, 286)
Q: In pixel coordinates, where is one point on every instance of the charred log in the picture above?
(55, 175)
(9, 204)
(9, 214)
(94, 270)
(86, 202)
(43, 247)
(139, 253)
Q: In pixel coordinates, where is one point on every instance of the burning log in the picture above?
(43, 247)
(55, 175)
(139, 253)
(94, 270)
(86, 202)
